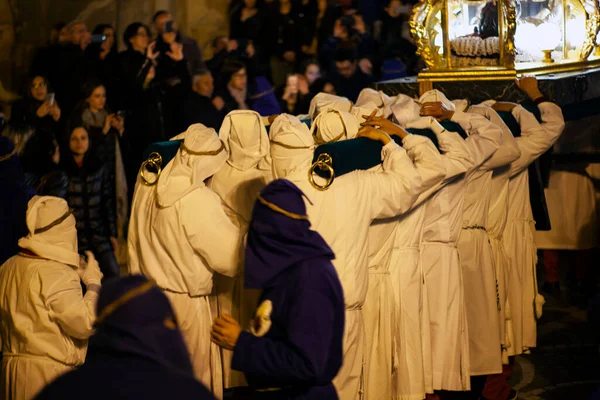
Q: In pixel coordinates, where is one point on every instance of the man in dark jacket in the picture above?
(66, 67)
(191, 50)
(294, 349)
(348, 79)
(199, 107)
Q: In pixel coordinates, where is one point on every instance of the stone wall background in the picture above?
(25, 24)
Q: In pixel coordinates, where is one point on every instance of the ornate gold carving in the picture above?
(418, 30)
(507, 35)
(592, 26)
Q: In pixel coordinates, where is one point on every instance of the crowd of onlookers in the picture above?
(88, 111)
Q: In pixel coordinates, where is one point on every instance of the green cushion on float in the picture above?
(167, 150)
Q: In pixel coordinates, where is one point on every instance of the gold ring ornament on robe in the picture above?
(154, 160)
(324, 163)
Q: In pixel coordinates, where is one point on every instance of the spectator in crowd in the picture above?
(138, 343)
(246, 23)
(38, 108)
(142, 99)
(90, 195)
(283, 39)
(58, 34)
(41, 164)
(66, 67)
(322, 85)
(46, 320)
(102, 55)
(233, 87)
(394, 38)
(349, 33)
(19, 134)
(320, 26)
(164, 24)
(14, 206)
(200, 107)
(311, 70)
(172, 76)
(348, 79)
(295, 97)
(107, 133)
(226, 49)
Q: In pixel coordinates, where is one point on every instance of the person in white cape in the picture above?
(390, 372)
(247, 171)
(444, 306)
(46, 320)
(342, 215)
(179, 236)
(523, 298)
(498, 216)
(394, 274)
(369, 95)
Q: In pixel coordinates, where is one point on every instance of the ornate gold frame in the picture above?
(440, 68)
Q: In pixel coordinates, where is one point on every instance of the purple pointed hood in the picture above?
(279, 236)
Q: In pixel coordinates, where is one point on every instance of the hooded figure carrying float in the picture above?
(247, 171)
(342, 215)
(179, 236)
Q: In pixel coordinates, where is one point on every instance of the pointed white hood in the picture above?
(405, 110)
(369, 95)
(200, 156)
(435, 96)
(324, 101)
(333, 125)
(365, 109)
(292, 146)
(52, 233)
(246, 140)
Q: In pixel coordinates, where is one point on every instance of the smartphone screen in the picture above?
(169, 27)
(98, 38)
(50, 98)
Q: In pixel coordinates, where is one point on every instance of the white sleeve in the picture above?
(210, 231)
(427, 160)
(394, 190)
(63, 297)
(455, 158)
(509, 149)
(536, 138)
(484, 137)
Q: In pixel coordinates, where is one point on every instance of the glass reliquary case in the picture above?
(498, 39)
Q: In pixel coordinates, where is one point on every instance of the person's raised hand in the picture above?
(150, 51)
(225, 332)
(176, 52)
(374, 134)
(250, 50)
(118, 122)
(505, 106)
(436, 109)
(89, 271)
(232, 45)
(108, 123)
(529, 85)
(43, 110)
(54, 111)
(302, 84)
(382, 123)
(366, 66)
(218, 102)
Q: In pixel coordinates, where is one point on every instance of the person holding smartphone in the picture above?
(295, 95)
(38, 108)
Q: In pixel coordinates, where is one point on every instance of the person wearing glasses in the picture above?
(38, 108)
